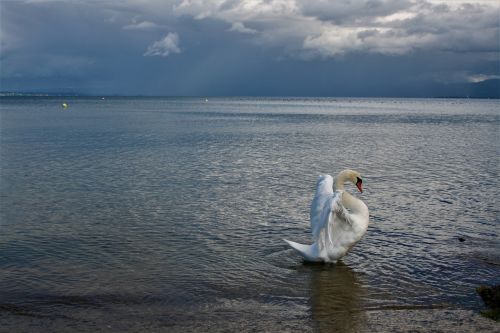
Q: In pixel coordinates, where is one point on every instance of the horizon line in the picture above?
(60, 94)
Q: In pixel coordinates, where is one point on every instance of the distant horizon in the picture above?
(487, 89)
(8, 94)
(491, 94)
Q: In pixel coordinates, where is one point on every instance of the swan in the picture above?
(338, 219)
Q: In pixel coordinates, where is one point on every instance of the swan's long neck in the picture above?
(354, 204)
(340, 179)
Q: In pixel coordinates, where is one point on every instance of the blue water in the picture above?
(134, 214)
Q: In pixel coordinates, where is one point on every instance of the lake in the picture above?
(168, 214)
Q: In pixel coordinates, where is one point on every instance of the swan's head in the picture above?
(359, 183)
(357, 180)
(350, 176)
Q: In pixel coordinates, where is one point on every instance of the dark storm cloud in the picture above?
(289, 47)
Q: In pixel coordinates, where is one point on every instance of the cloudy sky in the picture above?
(250, 47)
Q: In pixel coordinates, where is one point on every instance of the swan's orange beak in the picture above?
(359, 185)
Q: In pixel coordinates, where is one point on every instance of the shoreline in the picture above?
(421, 320)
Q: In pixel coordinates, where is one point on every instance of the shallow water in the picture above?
(170, 212)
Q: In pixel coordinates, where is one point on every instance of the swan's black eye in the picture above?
(359, 180)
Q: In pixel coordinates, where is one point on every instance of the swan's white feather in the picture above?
(309, 252)
(324, 192)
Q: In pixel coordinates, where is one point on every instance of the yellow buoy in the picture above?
(65, 105)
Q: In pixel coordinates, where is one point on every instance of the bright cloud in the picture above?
(482, 77)
(240, 27)
(165, 46)
(144, 25)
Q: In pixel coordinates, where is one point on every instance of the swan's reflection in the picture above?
(335, 298)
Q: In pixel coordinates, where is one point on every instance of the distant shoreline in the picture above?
(74, 95)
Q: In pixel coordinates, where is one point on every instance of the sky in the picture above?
(371, 48)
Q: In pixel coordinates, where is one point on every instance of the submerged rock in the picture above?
(491, 297)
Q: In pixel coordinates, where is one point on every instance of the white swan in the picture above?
(338, 219)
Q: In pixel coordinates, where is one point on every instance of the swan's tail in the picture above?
(308, 252)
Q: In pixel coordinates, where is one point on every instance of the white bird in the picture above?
(338, 219)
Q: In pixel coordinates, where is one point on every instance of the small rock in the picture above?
(490, 295)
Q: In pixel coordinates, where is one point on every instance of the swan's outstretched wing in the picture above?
(324, 192)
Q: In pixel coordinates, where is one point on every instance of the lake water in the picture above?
(135, 214)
